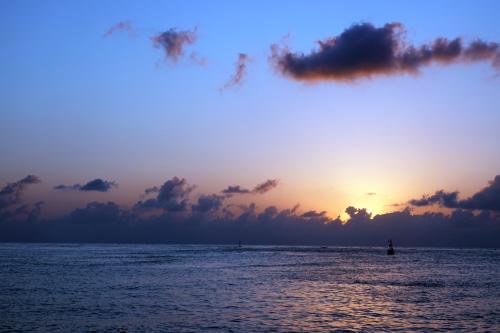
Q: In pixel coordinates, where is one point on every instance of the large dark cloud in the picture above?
(240, 71)
(364, 51)
(11, 203)
(486, 199)
(173, 42)
(97, 184)
(261, 188)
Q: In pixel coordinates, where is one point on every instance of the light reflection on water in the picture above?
(254, 289)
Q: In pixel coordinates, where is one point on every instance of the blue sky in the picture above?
(76, 105)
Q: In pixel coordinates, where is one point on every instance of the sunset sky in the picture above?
(89, 91)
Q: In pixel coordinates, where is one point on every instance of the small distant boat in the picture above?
(390, 250)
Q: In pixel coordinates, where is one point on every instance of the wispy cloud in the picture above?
(258, 189)
(240, 72)
(125, 26)
(266, 186)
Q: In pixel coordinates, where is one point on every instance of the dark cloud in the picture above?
(149, 190)
(173, 42)
(208, 203)
(446, 199)
(97, 184)
(95, 212)
(357, 215)
(209, 220)
(172, 196)
(314, 214)
(74, 187)
(120, 26)
(235, 189)
(108, 222)
(268, 214)
(262, 188)
(11, 203)
(266, 186)
(486, 199)
(240, 72)
(364, 51)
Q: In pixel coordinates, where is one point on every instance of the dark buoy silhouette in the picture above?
(390, 250)
(239, 243)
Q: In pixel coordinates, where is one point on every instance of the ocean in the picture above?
(223, 288)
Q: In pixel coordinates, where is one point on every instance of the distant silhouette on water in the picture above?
(239, 243)
(390, 250)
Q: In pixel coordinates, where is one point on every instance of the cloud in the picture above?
(149, 190)
(95, 212)
(266, 186)
(173, 42)
(446, 199)
(358, 215)
(120, 26)
(487, 198)
(314, 214)
(97, 184)
(67, 187)
(11, 203)
(172, 196)
(208, 203)
(240, 72)
(262, 188)
(208, 219)
(235, 189)
(371, 193)
(364, 51)
(108, 222)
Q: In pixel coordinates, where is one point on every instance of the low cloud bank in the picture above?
(174, 214)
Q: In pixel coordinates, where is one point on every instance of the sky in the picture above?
(225, 93)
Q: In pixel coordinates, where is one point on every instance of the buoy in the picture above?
(390, 250)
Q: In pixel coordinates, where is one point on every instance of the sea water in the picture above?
(224, 288)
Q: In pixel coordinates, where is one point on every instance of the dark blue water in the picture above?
(164, 288)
